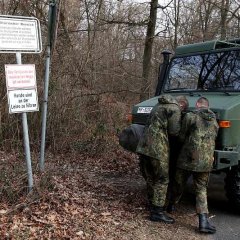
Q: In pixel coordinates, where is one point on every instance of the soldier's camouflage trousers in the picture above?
(200, 181)
(155, 172)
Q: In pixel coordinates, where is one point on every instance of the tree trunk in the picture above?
(223, 22)
(176, 22)
(145, 87)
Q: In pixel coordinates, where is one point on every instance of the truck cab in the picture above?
(210, 69)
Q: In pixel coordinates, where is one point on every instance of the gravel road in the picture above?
(224, 217)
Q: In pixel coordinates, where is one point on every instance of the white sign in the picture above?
(24, 100)
(20, 34)
(20, 76)
(144, 109)
(22, 88)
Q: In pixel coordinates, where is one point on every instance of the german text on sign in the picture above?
(19, 34)
(22, 100)
(20, 76)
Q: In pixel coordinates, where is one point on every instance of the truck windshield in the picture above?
(213, 71)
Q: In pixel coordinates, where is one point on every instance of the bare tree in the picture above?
(107, 56)
(145, 88)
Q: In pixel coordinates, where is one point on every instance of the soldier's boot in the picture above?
(148, 205)
(204, 225)
(157, 214)
(171, 208)
(149, 202)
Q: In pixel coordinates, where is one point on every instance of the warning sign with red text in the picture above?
(22, 88)
(20, 76)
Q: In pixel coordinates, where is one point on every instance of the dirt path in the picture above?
(92, 198)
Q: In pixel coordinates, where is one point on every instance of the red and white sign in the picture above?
(21, 87)
(20, 76)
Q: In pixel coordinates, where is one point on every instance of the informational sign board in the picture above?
(20, 34)
(22, 89)
(22, 100)
(20, 76)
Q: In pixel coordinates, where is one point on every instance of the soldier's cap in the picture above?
(182, 101)
(202, 102)
(166, 98)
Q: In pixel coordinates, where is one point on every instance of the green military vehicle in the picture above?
(210, 69)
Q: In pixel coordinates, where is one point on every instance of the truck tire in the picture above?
(232, 187)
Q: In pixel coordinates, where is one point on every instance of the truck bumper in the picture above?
(225, 159)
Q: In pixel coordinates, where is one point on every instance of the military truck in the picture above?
(210, 69)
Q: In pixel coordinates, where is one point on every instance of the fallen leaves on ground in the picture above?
(98, 198)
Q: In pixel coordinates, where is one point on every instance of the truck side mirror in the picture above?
(162, 70)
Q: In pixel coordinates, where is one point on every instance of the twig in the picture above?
(19, 206)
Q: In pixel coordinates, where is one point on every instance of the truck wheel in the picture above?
(232, 187)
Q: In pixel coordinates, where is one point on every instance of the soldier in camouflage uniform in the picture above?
(198, 134)
(153, 147)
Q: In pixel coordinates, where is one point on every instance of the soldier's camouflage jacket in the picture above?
(198, 134)
(164, 120)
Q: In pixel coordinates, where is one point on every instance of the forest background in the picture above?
(104, 62)
(106, 58)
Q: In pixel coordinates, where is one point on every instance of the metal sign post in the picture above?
(53, 15)
(26, 139)
(21, 35)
